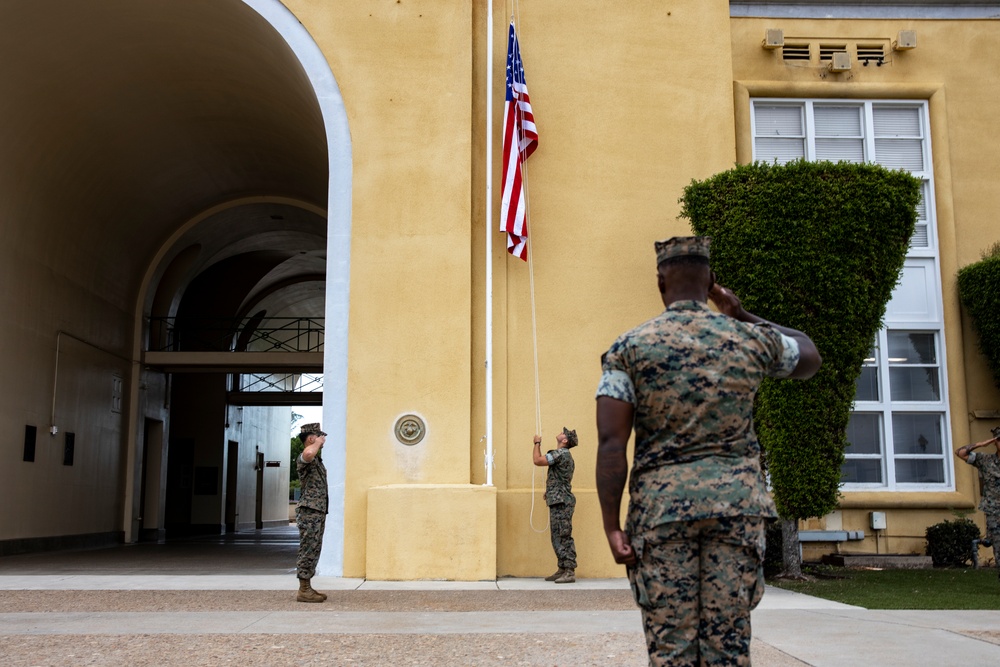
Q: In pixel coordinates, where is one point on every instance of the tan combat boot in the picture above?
(555, 575)
(307, 594)
(568, 576)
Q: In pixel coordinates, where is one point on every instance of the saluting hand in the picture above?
(724, 299)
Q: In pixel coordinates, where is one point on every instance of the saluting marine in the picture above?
(310, 513)
(694, 537)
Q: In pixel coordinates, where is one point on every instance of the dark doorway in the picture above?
(232, 477)
(180, 482)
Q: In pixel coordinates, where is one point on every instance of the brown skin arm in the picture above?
(729, 304)
(536, 455)
(614, 426)
(963, 452)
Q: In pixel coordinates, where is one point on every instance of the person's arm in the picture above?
(536, 455)
(614, 425)
(963, 452)
(311, 449)
(809, 357)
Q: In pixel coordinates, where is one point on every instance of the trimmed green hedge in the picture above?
(818, 247)
(979, 290)
(949, 543)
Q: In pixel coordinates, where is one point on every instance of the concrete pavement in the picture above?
(234, 605)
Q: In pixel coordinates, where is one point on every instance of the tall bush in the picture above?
(816, 246)
(979, 291)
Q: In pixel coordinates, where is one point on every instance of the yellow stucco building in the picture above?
(175, 167)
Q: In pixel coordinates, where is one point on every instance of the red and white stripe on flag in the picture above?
(520, 138)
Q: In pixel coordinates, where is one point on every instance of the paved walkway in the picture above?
(231, 601)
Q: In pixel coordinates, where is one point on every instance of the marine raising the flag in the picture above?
(520, 138)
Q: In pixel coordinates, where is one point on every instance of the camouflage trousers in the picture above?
(696, 582)
(311, 525)
(561, 529)
(993, 535)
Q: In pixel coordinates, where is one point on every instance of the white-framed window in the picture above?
(899, 432)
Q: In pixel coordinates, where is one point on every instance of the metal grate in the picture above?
(217, 334)
(826, 51)
(281, 382)
(795, 52)
(874, 53)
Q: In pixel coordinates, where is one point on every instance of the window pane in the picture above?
(900, 154)
(835, 150)
(837, 121)
(908, 347)
(866, 386)
(864, 434)
(770, 149)
(778, 121)
(861, 471)
(919, 471)
(920, 238)
(896, 121)
(916, 433)
(914, 384)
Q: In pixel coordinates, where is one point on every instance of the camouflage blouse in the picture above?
(312, 477)
(989, 469)
(691, 374)
(558, 484)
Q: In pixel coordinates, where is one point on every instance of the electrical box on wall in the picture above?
(878, 520)
(774, 38)
(840, 61)
(905, 40)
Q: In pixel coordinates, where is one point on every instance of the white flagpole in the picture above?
(489, 244)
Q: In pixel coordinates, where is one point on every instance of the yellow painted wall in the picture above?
(404, 70)
(432, 531)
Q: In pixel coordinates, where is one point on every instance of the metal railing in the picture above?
(281, 382)
(219, 334)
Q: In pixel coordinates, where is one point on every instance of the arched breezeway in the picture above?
(125, 128)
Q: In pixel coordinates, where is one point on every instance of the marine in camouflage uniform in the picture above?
(311, 511)
(694, 535)
(989, 472)
(561, 502)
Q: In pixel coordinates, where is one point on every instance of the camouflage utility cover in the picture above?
(558, 484)
(691, 374)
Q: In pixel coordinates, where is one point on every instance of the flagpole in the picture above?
(489, 244)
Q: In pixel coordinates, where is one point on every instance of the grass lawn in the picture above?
(937, 588)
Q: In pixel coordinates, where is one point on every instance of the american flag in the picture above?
(520, 139)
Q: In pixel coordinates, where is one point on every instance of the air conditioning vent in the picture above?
(826, 51)
(870, 52)
(795, 52)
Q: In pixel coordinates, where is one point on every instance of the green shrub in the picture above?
(949, 543)
(979, 290)
(818, 247)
